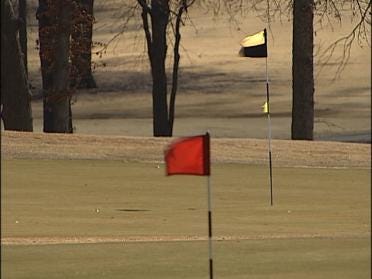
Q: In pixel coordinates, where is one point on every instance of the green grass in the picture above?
(297, 258)
(59, 198)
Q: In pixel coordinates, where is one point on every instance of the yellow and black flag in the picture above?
(254, 45)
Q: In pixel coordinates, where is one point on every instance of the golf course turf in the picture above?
(115, 219)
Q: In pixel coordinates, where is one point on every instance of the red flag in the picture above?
(189, 156)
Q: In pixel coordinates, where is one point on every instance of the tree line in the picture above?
(65, 42)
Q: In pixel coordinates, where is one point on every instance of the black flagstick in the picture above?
(210, 228)
(269, 128)
(209, 209)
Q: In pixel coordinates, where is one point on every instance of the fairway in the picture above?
(114, 219)
(290, 258)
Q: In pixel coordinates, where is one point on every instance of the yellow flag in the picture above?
(254, 40)
(265, 108)
(254, 45)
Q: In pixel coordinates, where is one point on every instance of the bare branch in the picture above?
(145, 12)
(359, 33)
(129, 15)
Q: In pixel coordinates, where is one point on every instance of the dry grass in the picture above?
(319, 226)
(145, 149)
(217, 89)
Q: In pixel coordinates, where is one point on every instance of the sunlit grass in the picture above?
(319, 225)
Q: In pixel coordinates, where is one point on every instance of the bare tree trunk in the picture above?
(23, 31)
(82, 48)
(15, 94)
(159, 22)
(302, 70)
(172, 101)
(156, 37)
(55, 21)
(45, 51)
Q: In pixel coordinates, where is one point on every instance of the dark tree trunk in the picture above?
(82, 47)
(302, 71)
(55, 20)
(159, 22)
(156, 38)
(23, 31)
(176, 61)
(15, 94)
(45, 52)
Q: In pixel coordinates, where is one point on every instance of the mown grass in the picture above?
(60, 198)
(289, 258)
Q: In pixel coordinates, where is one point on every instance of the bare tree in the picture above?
(303, 13)
(55, 22)
(15, 94)
(302, 59)
(160, 18)
(360, 11)
(157, 16)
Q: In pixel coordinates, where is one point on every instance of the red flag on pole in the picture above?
(189, 156)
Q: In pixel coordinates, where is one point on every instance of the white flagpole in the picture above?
(269, 131)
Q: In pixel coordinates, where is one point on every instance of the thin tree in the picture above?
(15, 94)
(157, 16)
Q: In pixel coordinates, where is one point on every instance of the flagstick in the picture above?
(269, 133)
(210, 228)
